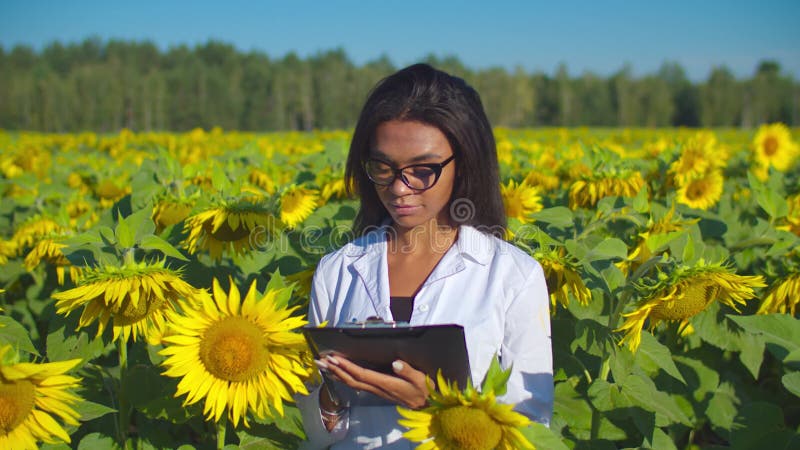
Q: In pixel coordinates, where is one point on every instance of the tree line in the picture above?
(105, 86)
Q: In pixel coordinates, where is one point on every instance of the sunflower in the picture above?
(297, 203)
(170, 211)
(701, 192)
(696, 158)
(464, 420)
(589, 189)
(783, 297)
(333, 189)
(562, 277)
(642, 252)
(109, 192)
(262, 180)
(543, 180)
(773, 146)
(50, 250)
(234, 226)
(302, 280)
(792, 219)
(30, 395)
(241, 356)
(34, 229)
(7, 250)
(684, 293)
(520, 200)
(136, 296)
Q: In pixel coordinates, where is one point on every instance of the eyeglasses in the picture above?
(416, 176)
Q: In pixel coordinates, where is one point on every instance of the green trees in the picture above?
(105, 86)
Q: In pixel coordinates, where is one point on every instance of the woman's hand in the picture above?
(409, 388)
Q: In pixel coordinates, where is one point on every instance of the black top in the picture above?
(401, 308)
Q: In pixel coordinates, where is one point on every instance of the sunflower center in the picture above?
(690, 300)
(225, 233)
(16, 402)
(770, 146)
(129, 312)
(469, 428)
(696, 190)
(233, 349)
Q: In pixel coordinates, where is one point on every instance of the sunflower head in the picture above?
(520, 200)
(297, 203)
(783, 296)
(239, 354)
(773, 146)
(702, 191)
(684, 292)
(32, 395)
(563, 277)
(468, 419)
(136, 296)
(589, 189)
(238, 226)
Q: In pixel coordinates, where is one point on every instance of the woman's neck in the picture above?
(432, 238)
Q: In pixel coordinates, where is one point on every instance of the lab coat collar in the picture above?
(371, 262)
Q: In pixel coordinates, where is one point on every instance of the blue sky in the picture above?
(599, 36)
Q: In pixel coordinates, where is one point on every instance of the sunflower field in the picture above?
(152, 285)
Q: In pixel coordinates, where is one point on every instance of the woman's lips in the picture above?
(404, 210)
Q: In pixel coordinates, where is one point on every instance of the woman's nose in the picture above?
(398, 187)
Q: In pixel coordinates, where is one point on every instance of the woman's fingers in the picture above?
(408, 387)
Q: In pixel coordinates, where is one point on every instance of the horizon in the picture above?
(602, 39)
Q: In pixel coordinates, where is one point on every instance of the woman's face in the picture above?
(402, 143)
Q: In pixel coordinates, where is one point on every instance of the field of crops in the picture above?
(132, 266)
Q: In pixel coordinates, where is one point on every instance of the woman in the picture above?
(430, 251)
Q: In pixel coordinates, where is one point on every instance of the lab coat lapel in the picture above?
(373, 271)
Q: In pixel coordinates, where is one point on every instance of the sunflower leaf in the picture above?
(558, 216)
(496, 378)
(781, 332)
(653, 354)
(126, 236)
(791, 381)
(153, 242)
(91, 410)
(12, 332)
(608, 249)
(543, 437)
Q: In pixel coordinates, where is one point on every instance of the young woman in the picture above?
(429, 251)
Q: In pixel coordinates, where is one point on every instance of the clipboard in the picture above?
(427, 348)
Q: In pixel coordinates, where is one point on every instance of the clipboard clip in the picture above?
(376, 322)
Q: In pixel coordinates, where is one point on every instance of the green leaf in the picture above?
(91, 410)
(63, 344)
(660, 441)
(659, 241)
(94, 441)
(613, 277)
(653, 354)
(761, 425)
(558, 216)
(126, 236)
(591, 336)
(141, 223)
(107, 235)
(543, 437)
(791, 381)
(689, 251)
(642, 392)
(781, 331)
(752, 354)
(608, 249)
(153, 242)
(723, 406)
(496, 378)
(641, 203)
(12, 332)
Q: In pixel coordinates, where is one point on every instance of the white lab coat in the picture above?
(493, 289)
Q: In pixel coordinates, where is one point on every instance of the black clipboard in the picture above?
(427, 348)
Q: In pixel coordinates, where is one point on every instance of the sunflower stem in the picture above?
(222, 427)
(122, 400)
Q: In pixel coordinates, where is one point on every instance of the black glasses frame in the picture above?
(435, 167)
